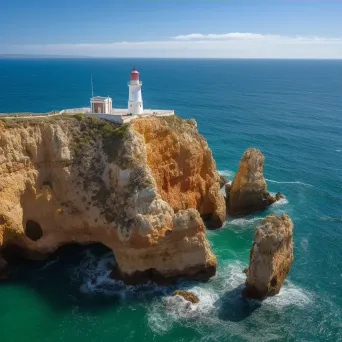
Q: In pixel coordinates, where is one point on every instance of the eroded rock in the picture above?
(182, 166)
(86, 180)
(271, 256)
(187, 295)
(248, 192)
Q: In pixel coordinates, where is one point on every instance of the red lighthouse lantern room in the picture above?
(134, 75)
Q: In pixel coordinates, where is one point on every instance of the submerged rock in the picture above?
(279, 196)
(248, 192)
(139, 188)
(187, 295)
(270, 257)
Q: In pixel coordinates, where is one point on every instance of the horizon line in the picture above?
(31, 56)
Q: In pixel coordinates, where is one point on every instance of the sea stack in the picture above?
(271, 256)
(248, 192)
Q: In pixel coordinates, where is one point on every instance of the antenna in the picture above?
(92, 87)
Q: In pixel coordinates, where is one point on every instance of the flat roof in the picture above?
(100, 98)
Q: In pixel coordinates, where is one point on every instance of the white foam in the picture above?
(338, 150)
(94, 274)
(232, 276)
(304, 243)
(289, 294)
(177, 306)
(282, 201)
(294, 182)
(226, 173)
(243, 221)
(165, 311)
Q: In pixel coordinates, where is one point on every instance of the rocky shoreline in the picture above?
(142, 189)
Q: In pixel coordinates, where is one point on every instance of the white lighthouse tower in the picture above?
(135, 102)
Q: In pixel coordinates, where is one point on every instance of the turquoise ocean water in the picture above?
(292, 111)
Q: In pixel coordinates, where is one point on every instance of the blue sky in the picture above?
(173, 28)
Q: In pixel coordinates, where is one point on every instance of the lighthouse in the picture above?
(135, 102)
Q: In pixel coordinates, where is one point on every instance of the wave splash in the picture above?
(94, 274)
(226, 173)
(244, 221)
(220, 304)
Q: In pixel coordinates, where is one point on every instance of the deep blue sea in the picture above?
(292, 111)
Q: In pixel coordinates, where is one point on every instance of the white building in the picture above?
(101, 105)
(135, 102)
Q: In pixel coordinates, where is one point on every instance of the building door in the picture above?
(99, 109)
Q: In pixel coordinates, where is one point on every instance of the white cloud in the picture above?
(228, 45)
(253, 36)
(212, 36)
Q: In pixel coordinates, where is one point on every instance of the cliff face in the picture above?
(85, 180)
(270, 257)
(183, 167)
(248, 192)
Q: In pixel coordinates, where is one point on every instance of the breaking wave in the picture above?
(221, 303)
(282, 201)
(94, 274)
(226, 173)
(289, 294)
(243, 221)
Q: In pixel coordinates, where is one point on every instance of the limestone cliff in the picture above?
(270, 257)
(248, 192)
(183, 167)
(85, 180)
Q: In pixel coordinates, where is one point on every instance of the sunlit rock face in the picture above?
(86, 180)
(271, 256)
(248, 192)
(182, 166)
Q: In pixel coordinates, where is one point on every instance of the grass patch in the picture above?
(79, 116)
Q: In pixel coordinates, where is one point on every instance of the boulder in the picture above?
(271, 256)
(187, 295)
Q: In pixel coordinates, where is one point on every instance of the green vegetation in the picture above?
(79, 116)
(112, 134)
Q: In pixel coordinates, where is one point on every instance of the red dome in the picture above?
(134, 75)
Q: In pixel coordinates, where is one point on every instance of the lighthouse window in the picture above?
(130, 105)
